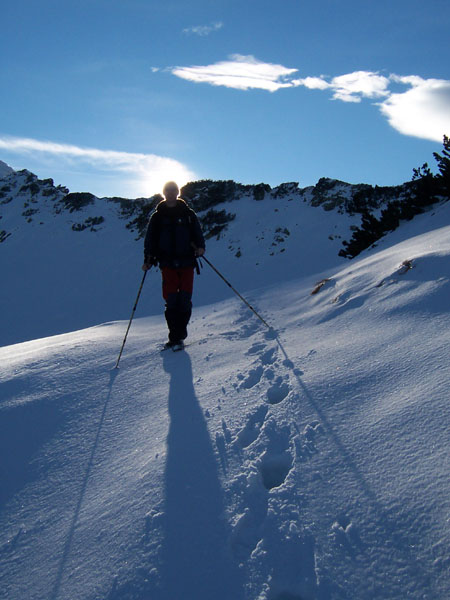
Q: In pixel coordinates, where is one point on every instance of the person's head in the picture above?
(171, 191)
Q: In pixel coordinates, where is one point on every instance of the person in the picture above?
(173, 241)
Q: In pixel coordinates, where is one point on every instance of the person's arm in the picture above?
(150, 258)
(199, 240)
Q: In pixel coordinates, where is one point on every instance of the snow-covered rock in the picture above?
(5, 169)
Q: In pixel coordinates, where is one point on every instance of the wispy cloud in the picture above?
(146, 172)
(351, 87)
(239, 72)
(422, 111)
(360, 84)
(203, 30)
(245, 72)
(313, 83)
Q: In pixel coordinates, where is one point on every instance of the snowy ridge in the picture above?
(307, 464)
(5, 169)
(73, 260)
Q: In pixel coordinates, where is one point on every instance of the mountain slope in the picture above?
(307, 464)
(73, 260)
(5, 169)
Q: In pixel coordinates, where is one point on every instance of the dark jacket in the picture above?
(172, 236)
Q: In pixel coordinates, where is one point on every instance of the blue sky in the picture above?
(117, 96)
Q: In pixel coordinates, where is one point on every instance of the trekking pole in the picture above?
(131, 318)
(236, 292)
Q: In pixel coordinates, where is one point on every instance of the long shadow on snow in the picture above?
(196, 562)
(67, 546)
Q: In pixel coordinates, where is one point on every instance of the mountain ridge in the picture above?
(72, 260)
(328, 193)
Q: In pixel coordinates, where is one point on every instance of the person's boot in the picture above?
(172, 320)
(183, 320)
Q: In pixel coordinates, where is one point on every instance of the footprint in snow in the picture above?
(278, 391)
(268, 357)
(276, 462)
(269, 374)
(250, 329)
(253, 377)
(275, 468)
(250, 432)
(256, 348)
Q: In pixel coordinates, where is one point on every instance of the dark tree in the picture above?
(424, 190)
(370, 231)
(443, 161)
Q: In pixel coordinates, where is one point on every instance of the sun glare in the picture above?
(153, 181)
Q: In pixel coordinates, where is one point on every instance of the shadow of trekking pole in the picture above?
(386, 521)
(70, 535)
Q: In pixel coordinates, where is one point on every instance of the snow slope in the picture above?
(5, 169)
(58, 280)
(308, 462)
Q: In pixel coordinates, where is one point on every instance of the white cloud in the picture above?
(422, 111)
(245, 72)
(352, 86)
(146, 173)
(203, 30)
(240, 72)
(312, 83)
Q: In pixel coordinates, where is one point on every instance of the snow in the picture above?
(5, 169)
(306, 462)
(60, 280)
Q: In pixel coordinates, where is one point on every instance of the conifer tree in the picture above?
(425, 189)
(443, 161)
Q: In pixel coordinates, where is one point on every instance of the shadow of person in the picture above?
(196, 559)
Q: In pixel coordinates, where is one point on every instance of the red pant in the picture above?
(177, 280)
(177, 285)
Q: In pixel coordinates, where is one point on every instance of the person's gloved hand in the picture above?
(149, 262)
